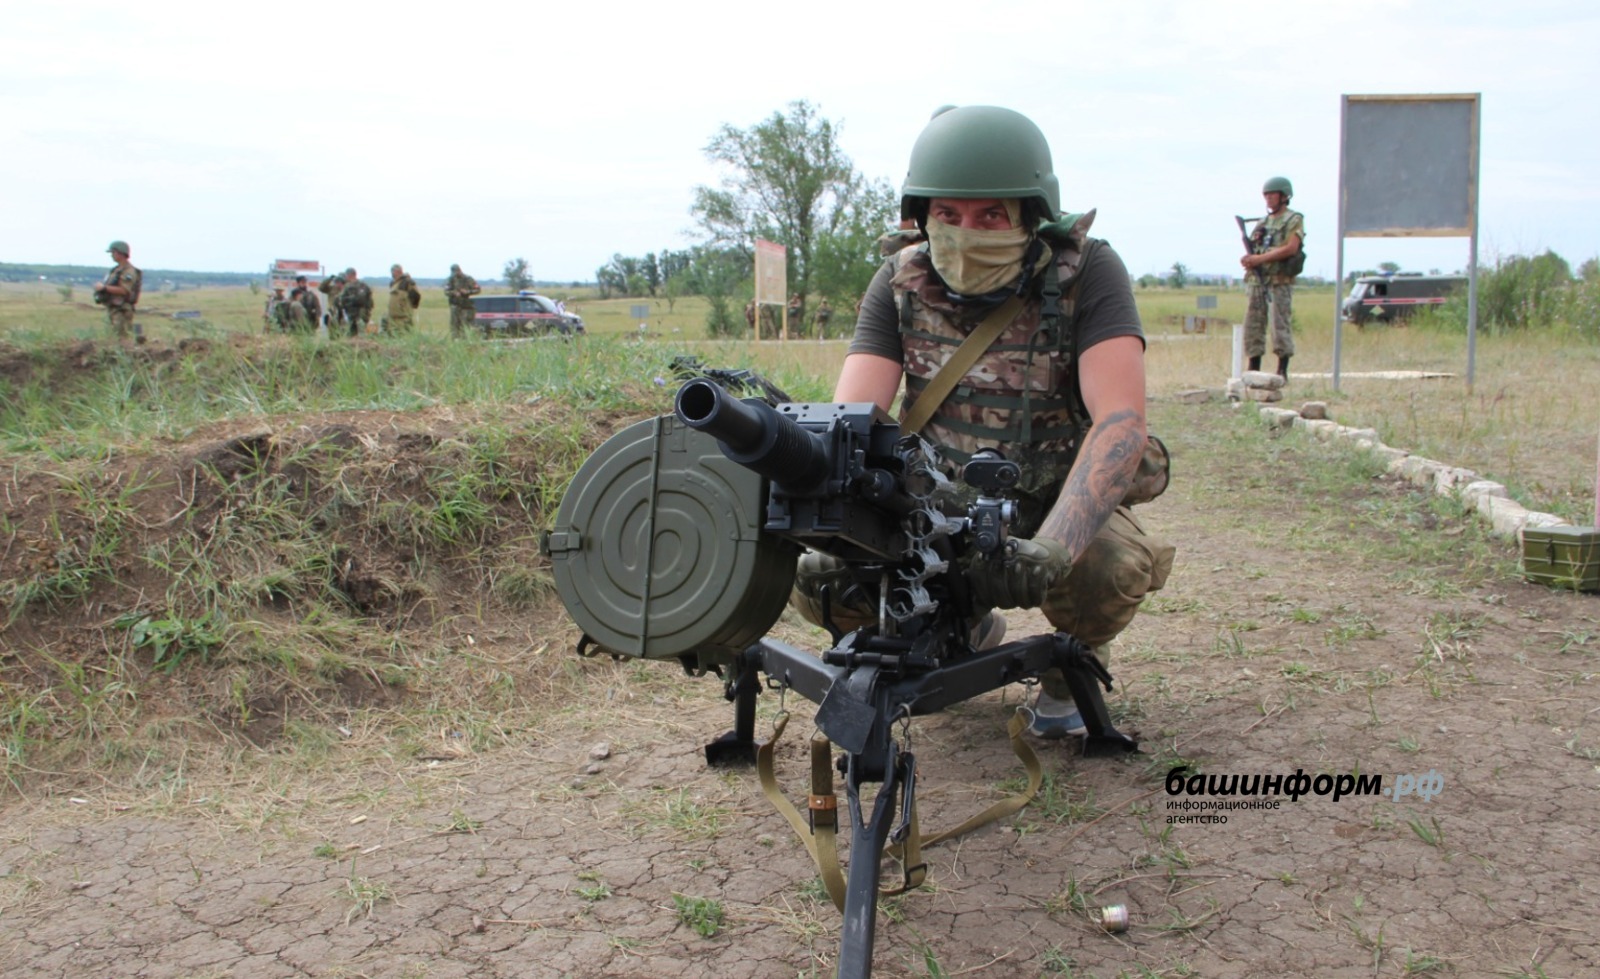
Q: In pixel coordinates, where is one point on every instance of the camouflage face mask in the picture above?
(973, 262)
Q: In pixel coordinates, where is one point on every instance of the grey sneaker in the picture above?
(989, 631)
(1053, 719)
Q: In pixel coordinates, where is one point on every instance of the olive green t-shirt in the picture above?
(1104, 307)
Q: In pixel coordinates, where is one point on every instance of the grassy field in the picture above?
(1529, 419)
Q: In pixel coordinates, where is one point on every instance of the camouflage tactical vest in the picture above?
(459, 289)
(355, 295)
(128, 278)
(1022, 394)
(1274, 230)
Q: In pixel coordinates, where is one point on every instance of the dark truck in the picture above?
(526, 314)
(1387, 298)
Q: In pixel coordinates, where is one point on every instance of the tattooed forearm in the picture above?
(1100, 477)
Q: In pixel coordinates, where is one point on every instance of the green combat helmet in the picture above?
(119, 246)
(978, 151)
(1279, 184)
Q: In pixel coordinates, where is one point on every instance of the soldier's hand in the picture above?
(1024, 578)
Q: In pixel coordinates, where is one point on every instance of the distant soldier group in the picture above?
(298, 312)
(796, 309)
(349, 304)
(350, 301)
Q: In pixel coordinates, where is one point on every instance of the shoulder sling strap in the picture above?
(960, 362)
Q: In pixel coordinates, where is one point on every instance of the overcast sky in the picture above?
(221, 136)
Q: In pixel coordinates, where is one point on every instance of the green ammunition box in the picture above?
(1562, 557)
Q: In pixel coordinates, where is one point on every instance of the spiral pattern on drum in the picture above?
(670, 559)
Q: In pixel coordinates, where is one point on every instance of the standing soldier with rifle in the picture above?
(119, 291)
(459, 290)
(1053, 377)
(1276, 254)
(796, 310)
(355, 300)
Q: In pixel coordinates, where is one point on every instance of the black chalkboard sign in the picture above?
(1408, 165)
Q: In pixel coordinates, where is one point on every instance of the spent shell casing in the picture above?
(1114, 918)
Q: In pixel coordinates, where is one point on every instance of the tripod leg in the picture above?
(737, 748)
(867, 841)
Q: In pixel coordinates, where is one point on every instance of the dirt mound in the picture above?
(298, 557)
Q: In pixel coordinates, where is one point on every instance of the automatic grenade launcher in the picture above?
(678, 540)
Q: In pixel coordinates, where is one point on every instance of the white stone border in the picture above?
(1506, 516)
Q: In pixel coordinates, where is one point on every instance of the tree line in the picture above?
(91, 274)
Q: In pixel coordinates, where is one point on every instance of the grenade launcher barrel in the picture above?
(757, 436)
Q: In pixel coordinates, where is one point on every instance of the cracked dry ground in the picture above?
(1291, 636)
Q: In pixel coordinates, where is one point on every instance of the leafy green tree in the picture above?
(1388, 268)
(622, 275)
(517, 275)
(650, 268)
(1179, 277)
(1520, 292)
(673, 288)
(722, 276)
(673, 264)
(844, 262)
(787, 180)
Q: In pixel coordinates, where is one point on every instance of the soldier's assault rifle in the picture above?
(842, 479)
(1254, 242)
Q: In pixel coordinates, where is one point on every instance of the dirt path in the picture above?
(1295, 635)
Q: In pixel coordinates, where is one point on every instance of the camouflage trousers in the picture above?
(1094, 602)
(1281, 297)
(358, 322)
(121, 318)
(399, 319)
(461, 320)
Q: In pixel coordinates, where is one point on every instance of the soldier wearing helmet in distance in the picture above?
(118, 292)
(355, 302)
(459, 290)
(1271, 263)
(1059, 390)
